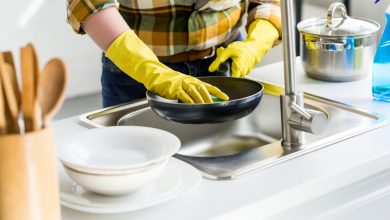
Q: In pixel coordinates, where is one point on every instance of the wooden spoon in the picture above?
(51, 89)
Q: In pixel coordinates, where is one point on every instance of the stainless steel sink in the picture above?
(228, 150)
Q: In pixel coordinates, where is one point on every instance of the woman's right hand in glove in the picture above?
(134, 58)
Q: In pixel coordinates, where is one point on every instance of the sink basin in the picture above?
(231, 149)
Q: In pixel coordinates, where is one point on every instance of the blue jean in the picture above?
(118, 87)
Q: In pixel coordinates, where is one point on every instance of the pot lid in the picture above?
(338, 26)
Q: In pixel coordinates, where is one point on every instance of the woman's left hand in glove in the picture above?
(246, 54)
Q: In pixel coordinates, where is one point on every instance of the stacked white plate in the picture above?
(178, 179)
(127, 168)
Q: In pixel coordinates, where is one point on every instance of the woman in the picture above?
(149, 44)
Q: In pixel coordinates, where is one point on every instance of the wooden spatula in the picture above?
(3, 124)
(29, 88)
(8, 58)
(11, 104)
(37, 108)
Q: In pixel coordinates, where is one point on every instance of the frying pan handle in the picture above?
(224, 69)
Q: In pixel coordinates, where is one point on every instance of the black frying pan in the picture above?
(244, 96)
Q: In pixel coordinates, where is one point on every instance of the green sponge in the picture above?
(216, 99)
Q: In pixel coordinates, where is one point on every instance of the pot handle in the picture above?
(333, 8)
(325, 46)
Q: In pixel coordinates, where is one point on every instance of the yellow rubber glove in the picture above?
(246, 54)
(134, 58)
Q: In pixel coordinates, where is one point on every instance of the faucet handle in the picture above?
(298, 109)
(314, 124)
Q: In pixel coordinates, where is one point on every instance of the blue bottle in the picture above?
(381, 67)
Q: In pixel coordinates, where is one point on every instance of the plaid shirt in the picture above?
(171, 27)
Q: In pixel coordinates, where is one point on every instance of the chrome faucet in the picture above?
(295, 118)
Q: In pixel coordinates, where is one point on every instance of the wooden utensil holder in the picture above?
(28, 177)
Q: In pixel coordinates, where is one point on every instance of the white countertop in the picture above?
(347, 180)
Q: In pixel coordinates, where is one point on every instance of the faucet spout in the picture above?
(288, 38)
(295, 118)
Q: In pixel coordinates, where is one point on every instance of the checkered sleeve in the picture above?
(266, 9)
(79, 10)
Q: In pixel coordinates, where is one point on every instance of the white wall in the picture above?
(43, 22)
(367, 9)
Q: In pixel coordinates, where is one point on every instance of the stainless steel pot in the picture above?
(337, 48)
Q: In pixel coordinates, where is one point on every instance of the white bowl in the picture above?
(117, 185)
(117, 149)
(117, 160)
